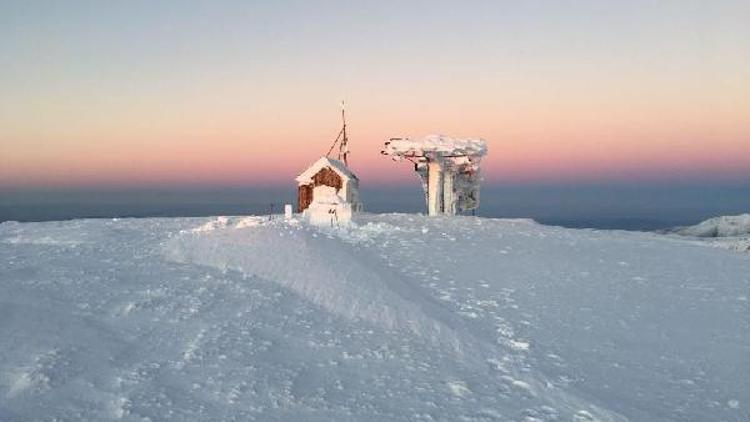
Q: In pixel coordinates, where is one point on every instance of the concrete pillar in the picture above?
(449, 204)
(434, 188)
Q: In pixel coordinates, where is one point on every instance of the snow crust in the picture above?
(242, 318)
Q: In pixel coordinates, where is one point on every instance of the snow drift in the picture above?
(319, 268)
(724, 226)
(731, 232)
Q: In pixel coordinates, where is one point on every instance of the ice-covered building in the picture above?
(448, 168)
(338, 200)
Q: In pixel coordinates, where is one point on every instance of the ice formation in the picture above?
(328, 209)
(328, 172)
(448, 168)
(436, 144)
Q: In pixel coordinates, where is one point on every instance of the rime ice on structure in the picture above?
(448, 167)
(328, 193)
(328, 208)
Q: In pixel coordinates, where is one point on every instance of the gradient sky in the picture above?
(150, 93)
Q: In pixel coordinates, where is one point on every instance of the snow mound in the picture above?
(319, 268)
(724, 226)
(728, 232)
(330, 269)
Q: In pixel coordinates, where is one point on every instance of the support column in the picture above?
(434, 188)
(449, 204)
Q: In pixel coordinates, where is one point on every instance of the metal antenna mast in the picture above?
(343, 148)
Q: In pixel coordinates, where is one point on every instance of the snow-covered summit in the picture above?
(396, 317)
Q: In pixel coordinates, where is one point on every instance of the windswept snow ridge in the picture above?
(319, 268)
(349, 280)
(397, 317)
(731, 232)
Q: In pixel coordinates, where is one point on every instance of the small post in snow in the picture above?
(288, 211)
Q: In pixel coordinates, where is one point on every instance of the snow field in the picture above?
(399, 317)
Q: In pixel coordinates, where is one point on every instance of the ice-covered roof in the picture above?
(323, 162)
(436, 144)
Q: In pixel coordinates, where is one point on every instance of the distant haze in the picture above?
(630, 207)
